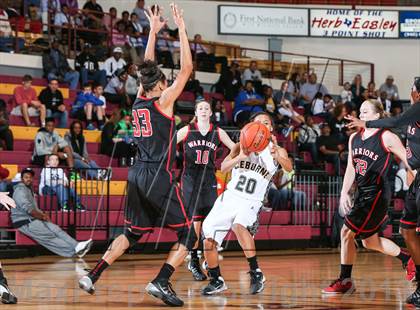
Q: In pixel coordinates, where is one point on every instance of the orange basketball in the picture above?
(255, 137)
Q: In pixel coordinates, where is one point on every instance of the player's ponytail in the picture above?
(150, 75)
(377, 105)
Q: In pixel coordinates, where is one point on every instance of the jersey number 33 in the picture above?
(142, 124)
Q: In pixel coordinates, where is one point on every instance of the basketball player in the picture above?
(154, 200)
(410, 220)
(199, 186)
(368, 163)
(7, 297)
(238, 207)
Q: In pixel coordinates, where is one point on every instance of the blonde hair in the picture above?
(378, 107)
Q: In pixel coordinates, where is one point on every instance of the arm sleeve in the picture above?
(410, 116)
(23, 200)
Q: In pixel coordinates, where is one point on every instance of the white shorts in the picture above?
(229, 209)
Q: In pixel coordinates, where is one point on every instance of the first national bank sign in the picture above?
(345, 23)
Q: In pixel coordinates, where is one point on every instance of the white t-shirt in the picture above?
(318, 106)
(111, 65)
(251, 177)
(52, 177)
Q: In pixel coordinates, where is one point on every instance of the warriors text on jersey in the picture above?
(200, 150)
(413, 145)
(371, 159)
(252, 176)
(154, 133)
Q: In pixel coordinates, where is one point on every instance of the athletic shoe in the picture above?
(414, 296)
(340, 286)
(83, 247)
(65, 208)
(80, 207)
(7, 297)
(194, 267)
(85, 283)
(410, 270)
(91, 127)
(163, 290)
(215, 286)
(257, 281)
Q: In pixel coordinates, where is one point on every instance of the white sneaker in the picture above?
(83, 247)
(6, 296)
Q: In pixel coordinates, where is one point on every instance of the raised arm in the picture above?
(154, 15)
(170, 94)
(236, 155)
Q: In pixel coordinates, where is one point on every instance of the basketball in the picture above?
(255, 137)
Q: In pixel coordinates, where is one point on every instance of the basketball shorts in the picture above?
(199, 194)
(410, 218)
(228, 210)
(153, 200)
(369, 211)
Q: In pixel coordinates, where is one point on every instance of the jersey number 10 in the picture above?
(141, 123)
(202, 157)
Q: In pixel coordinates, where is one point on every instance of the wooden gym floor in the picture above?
(294, 281)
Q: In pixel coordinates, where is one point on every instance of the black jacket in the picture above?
(88, 61)
(51, 100)
(49, 65)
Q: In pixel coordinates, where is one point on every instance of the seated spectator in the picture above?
(386, 103)
(78, 145)
(7, 41)
(164, 49)
(111, 19)
(114, 145)
(132, 84)
(284, 106)
(63, 20)
(87, 106)
(114, 62)
(357, 91)
(87, 65)
(25, 97)
(282, 191)
(142, 14)
(205, 59)
(283, 94)
(307, 139)
(318, 106)
(193, 85)
(48, 142)
(135, 40)
(55, 66)
(73, 5)
(219, 116)
(330, 148)
(338, 123)
(33, 23)
(230, 82)
(52, 98)
(346, 94)
(246, 103)
(6, 135)
(54, 182)
(304, 78)
(115, 89)
(329, 103)
(309, 90)
(119, 37)
(36, 224)
(253, 74)
(372, 93)
(269, 103)
(294, 86)
(390, 88)
(124, 134)
(125, 19)
(4, 174)
(95, 13)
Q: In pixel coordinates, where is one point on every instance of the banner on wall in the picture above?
(267, 21)
(409, 24)
(363, 23)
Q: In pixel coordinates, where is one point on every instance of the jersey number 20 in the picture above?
(141, 123)
(247, 185)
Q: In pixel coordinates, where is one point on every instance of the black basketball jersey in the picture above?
(154, 133)
(413, 145)
(200, 150)
(371, 160)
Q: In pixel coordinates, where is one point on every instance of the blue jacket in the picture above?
(82, 99)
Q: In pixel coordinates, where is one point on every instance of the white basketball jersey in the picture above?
(251, 177)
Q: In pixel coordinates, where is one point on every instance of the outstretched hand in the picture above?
(6, 201)
(354, 122)
(178, 17)
(156, 19)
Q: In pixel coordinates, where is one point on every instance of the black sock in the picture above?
(96, 272)
(165, 272)
(253, 264)
(345, 271)
(214, 272)
(403, 257)
(1, 274)
(418, 273)
(194, 254)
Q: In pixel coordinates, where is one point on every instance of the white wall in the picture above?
(401, 58)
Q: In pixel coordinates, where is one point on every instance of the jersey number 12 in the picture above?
(141, 123)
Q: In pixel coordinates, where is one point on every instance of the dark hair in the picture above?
(87, 85)
(27, 78)
(2, 105)
(125, 12)
(417, 83)
(318, 95)
(150, 75)
(50, 120)
(255, 115)
(327, 96)
(132, 14)
(338, 108)
(53, 79)
(96, 85)
(72, 128)
(200, 101)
